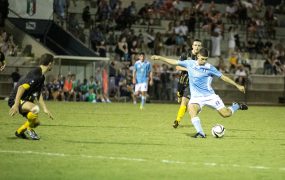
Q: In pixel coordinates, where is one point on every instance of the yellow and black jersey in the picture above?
(183, 82)
(183, 78)
(33, 83)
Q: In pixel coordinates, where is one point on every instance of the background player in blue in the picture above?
(141, 75)
(200, 78)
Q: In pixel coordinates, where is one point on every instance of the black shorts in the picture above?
(186, 92)
(12, 102)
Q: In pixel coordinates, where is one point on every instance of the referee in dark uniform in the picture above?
(27, 90)
(183, 91)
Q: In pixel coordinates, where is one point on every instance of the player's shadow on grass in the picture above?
(76, 126)
(184, 126)
(117, 143)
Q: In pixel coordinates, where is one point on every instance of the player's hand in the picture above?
(154, 57)
(14, 110)
(151, 82)
(134, 81)
(241, 88)
(48, 113)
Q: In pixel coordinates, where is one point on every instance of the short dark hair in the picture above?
(46, 59)
(197, 40)
(204, 52)
(142, 53)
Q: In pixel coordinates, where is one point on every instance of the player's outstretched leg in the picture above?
(238, 106)
(197, 124)
(243, 106)
(180, 114)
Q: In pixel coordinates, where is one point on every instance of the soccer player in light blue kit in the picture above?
(141, 75)
(201, 74)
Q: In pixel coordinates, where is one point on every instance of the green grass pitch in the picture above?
(119, 141)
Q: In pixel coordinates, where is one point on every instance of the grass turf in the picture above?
(119, 141)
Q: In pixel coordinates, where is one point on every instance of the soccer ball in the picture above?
(218, 131)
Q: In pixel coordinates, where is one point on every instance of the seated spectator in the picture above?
(231, 13)
(133, 49)
(102, 49)
(68, 88)
(56, 90)
(277, 66)
(259, 46)
(250, 46)
(96, 36)
(241, 76)
(267, 66)
(222, 65)
(15, 76)
(122, 49)
(104, 11)
(233, 59)
(242, 13)
(245, 61)
(91, 96)
(83, 90)
(86, 17)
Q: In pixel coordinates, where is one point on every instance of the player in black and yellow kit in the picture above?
(2, 61)
(183, 91)
(27, 90)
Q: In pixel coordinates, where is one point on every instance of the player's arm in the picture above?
(150, 78)
(21, 90)
(180, 68)
(230, 81)
(167, 60)
(43, 105)
(134, 76)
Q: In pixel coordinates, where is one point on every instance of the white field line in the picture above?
(208, 164)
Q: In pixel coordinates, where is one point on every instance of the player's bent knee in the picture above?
(35, 109)
(225, 113)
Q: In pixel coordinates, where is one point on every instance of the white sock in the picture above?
(197, 124)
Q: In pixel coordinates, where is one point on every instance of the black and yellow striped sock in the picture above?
(23, 128)
(181, 112)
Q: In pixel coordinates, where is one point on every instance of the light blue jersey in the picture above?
(200, 77)
(142, 71)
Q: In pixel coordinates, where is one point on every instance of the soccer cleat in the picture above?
(175, 124)
(243, 106)
(33, 134)
(199, 135)
(21, 135)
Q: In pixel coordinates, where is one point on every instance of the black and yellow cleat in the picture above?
(21, 135)
(33, 135)
(175, 124)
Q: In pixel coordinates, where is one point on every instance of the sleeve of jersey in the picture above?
(28, 84)
(182, 63)
(215, 72)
